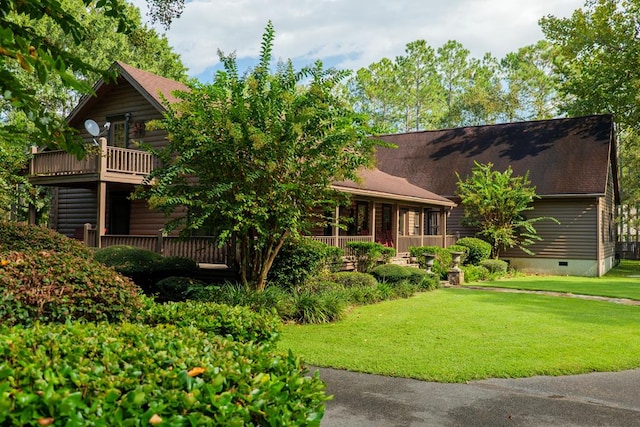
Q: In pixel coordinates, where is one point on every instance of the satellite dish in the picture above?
(92, 127)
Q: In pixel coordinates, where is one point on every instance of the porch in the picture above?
(107, 164)
(402, 247)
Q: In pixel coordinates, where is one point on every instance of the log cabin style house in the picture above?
(409, 200)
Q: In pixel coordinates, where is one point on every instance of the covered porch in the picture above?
(390, 211)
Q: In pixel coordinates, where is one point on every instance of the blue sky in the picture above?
(352, 33)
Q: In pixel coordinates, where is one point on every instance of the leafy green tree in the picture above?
(494, 203)
(597, 60)
(252, 156)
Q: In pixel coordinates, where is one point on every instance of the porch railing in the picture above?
(402, 246)
(200, 249)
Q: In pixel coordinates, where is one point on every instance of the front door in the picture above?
(119, 212)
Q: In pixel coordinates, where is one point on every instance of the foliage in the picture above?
(441, 263)
(16, 236)
(352, 279)
(478, 249)
(299, 259)
(143, 266)
(101, 374)
(51, 286)
(495, 202)
(495, 265)
(368, 254)
(463, 250)
(476, 273)
(393, 273)
(258, 153)
(323, 307)
(597, 61)
(175, 288)
(236, 323)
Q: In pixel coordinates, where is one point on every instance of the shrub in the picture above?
(496, 266)
(393, 273)
(143, 266)
(22, 237)
(475, 273)
(176, 288)
(131, 374)
(479, 250)
(237, 323)
(300, 259)
(352, 279)
(369, 253)
(442, 262)
(429, 282)
(50, 286)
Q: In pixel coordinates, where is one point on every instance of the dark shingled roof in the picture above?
(568, 156)
(375, 183)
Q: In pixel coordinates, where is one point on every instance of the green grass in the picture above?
(616, 284)
(456, 335)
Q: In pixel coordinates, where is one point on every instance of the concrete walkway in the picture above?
(597, 399)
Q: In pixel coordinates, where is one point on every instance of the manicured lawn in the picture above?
(616, 283)
(455, 335)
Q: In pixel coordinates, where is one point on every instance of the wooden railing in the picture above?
(117, 160)
(402, 246)
(342, 241)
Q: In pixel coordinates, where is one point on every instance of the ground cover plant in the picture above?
(457, 335)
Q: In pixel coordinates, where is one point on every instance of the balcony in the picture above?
(114, 164)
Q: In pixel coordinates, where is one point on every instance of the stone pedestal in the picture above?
(455, 275)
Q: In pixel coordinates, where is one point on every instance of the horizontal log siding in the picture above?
(74, 207)
(608, 227)
(145, 221)
(574, 238)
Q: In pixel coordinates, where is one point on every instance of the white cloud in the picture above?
(355, 33)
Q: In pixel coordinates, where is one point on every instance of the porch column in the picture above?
(102, 161)
(421, 218)
(396, 228)
(443, 221)
(101, 219)
(372, 221)
(336, 230)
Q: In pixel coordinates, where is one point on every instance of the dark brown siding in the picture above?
(74, 208)
(607, 227)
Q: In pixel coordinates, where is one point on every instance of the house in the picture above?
(91, 196)
(571, 162)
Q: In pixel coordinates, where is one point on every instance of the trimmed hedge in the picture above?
(352, 279)
(130, 374)
(176, 288)
(50, 286)
(495, 266)
(479, 250)
(21, 237)
(237, 323)
(475, 273)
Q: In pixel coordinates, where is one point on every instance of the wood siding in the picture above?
(607, 227)
(73, 208)
(576, 237)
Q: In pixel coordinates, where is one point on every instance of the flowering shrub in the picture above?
(51, 286)
(15, 236)
(131, 374)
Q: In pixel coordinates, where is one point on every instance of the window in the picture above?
(432, 222)
(119, 130)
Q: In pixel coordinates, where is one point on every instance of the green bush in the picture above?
(237, 323)
(475, 273)
(22, 237)
(50, 286)
(442, 262)
(176, 288)
(137, 375)
(393, 273)
(429, 282)
(479, 250)
(143, 266)
(300, 259)
(368, 254)
(496, 266)
(352, 279)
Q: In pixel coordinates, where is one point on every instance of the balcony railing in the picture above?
(117, 164)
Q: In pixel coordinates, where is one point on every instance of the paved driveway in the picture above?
(597, 399)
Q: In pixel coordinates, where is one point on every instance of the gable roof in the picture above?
(568, 156)
(376, 183)
(148, 84)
